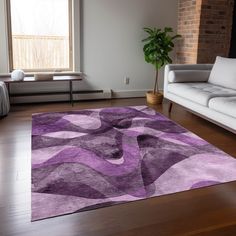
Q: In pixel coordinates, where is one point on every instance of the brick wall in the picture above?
(188, 27)
(205, 26)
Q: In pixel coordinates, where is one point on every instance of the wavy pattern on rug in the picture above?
(83, 160)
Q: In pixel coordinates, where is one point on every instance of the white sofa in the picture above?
(205, 89)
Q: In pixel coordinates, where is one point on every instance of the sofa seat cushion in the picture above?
(200, 93)
(225, 105)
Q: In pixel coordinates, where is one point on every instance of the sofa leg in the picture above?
(170, 107)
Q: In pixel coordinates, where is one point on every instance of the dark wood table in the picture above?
(69, 78)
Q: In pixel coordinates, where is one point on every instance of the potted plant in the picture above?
(158, 45)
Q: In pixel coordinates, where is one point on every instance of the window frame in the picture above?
(10, 44)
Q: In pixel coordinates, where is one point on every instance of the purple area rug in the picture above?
(83, 160)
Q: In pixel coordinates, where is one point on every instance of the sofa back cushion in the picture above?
(224, 73)
(181, 76)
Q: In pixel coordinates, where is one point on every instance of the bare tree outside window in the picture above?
(40, 35)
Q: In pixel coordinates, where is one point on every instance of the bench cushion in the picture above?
(224, 73)
(225, 105)
(200, 93)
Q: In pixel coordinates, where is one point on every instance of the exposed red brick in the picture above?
(205, 26)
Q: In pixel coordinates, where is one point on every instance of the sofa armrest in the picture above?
(188, 67)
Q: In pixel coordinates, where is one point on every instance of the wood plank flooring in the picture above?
(208, 211)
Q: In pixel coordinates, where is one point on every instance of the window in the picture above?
(40, 35)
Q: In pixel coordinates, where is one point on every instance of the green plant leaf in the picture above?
(147, 39)
(148, 30)
(157, 46)
(168, 29)
(176, 36)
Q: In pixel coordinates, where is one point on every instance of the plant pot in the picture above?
(154, 98)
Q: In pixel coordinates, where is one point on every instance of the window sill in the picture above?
(30, 74)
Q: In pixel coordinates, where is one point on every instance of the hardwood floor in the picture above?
(207, 211)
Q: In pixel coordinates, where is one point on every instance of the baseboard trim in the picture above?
(128, 93)
(90, 95)
(80, 96)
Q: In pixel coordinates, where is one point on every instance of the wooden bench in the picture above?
(70, 78)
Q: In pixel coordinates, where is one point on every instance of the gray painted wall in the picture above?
(112, 34)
